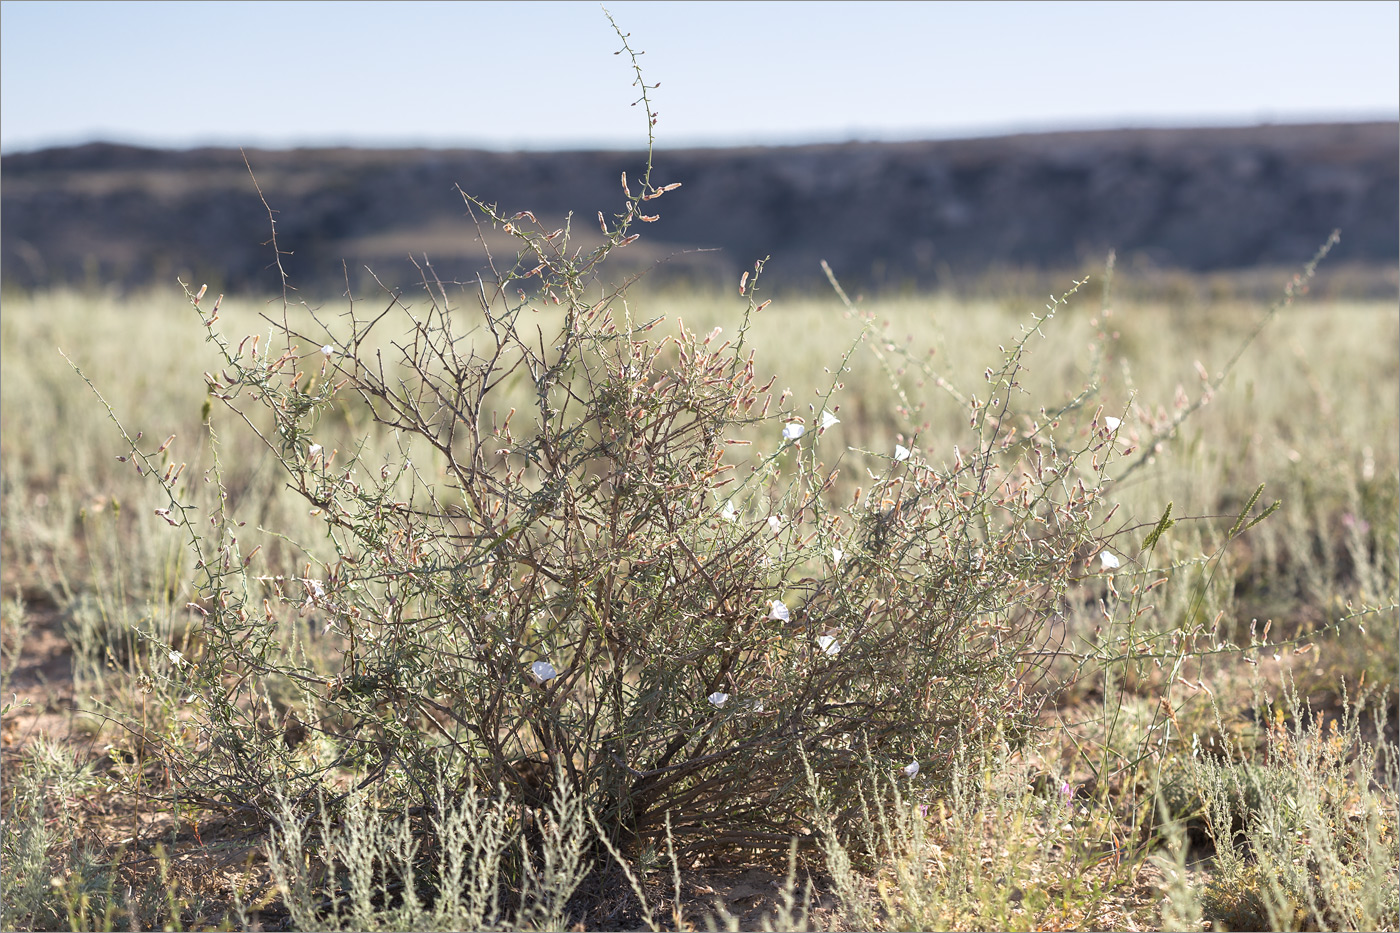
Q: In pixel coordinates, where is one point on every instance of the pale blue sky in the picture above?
(542, 75)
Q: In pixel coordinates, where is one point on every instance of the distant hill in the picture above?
(883, 214)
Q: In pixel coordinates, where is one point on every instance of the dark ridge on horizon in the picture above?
(883, 213)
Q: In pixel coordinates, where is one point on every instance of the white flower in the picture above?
(176, 658)
(313, 451)
(828, 644)
(912, 768)
(718, 699)
(792, 431)
(328, 351)
(1112, 423)
(728, 513)
(775, 523)
(901, 452)
(316, 588)
(543, 671)
(829, 420)
(1108, 560)
(836, 555)
(780, 611)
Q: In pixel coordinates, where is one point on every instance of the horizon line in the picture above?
(855, 137)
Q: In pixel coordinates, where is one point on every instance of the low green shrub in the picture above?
(1306, 837)
(53, 875)
(365, 871)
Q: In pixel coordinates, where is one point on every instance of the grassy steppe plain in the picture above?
(1111, 819)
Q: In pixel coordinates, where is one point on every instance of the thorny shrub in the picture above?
(614, 589)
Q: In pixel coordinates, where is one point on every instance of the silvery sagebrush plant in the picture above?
(636, 584)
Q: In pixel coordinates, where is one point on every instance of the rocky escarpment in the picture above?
(883, 214)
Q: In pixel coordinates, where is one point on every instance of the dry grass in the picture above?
(92, 581)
